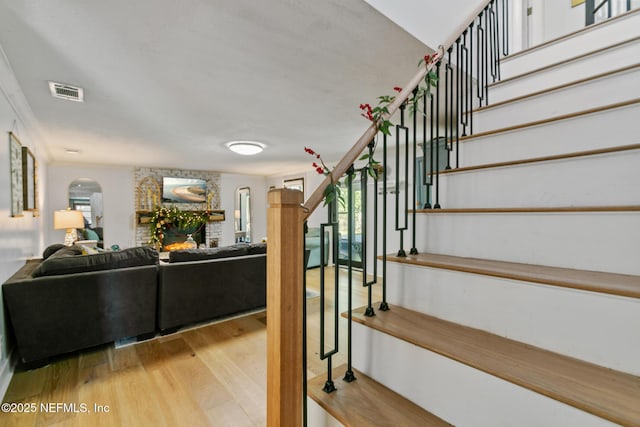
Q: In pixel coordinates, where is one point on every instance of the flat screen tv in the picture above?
(184, 190)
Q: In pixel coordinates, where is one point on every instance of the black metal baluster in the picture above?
(349, 375)
(457, 99)
(449, 115)
(426, 149)
(329, 385)
(470, 79)
(485, 61)
(447, 94)
(405, 208)
(437, 139)
(384, 306)
(305, 229)
(480, 55)
(493, 37)
(505, 27)
(364, 201)
(416, 188)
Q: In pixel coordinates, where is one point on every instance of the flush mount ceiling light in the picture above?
(246, 148)
(71, 151)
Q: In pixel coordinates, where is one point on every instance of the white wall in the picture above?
(20, 237)
(430, 22)
(433, 22)
(311, 181)
(229, 183)
(118, 193)
(559, 18)
(117, 196)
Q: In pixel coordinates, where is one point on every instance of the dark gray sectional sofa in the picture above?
(201, 284)
(69, 301)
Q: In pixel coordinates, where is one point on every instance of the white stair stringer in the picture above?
(565, 319)
(590, 39)
(606, 90)
(619, 56)
(603, 129)
(462, 395)
(609, 179)
(597, 241)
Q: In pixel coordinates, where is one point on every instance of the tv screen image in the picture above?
(184, 190)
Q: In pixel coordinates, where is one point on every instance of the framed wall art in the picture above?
(295, 184)
(15, 168)
(29, 181)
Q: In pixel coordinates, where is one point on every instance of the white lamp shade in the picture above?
(67, 219)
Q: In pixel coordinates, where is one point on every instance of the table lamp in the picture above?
(69, 220)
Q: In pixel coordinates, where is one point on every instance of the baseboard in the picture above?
(6, 373)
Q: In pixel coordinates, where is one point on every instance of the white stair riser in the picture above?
(602, 180)
(604, 129)
(455, 392)
(568, 72)
(587, 41)
(318, 417)
(603, 91)
(600, 241)
(564, 318)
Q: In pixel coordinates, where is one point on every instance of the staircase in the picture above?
(523, 306)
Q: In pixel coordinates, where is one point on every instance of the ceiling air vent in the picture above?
(71, 93)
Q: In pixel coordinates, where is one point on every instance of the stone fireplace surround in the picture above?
(148, 187)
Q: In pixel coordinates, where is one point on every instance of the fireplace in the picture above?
(174, 235)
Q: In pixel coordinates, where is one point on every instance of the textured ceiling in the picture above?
(167, 83)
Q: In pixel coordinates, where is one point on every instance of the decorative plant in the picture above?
(380, 116)
(164, 218)
(333, 191)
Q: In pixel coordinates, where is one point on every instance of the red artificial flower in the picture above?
(320, 170)
(426, 59)
(309, 150)
(397, 89)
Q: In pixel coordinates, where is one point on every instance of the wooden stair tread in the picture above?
(595, 77)
(367, 402)
(552, 119)
(563, 37)
(544, 158)
(595, 281)
(535, 209)
(559, 63)
(603, 392)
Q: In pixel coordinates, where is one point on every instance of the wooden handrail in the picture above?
(352, 155)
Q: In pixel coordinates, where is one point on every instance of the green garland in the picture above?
(163, 218)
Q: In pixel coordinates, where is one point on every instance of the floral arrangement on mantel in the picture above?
(164, 218)
(380, 116)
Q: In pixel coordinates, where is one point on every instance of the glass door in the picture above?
(343, 228)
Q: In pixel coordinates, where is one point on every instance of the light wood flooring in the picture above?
(210, 375)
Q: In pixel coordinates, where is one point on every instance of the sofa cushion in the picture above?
(68, 261)
(257, 248)
(51, 249)
(185, 255)
(92, 235)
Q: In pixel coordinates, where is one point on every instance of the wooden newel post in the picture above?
(284, 308)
